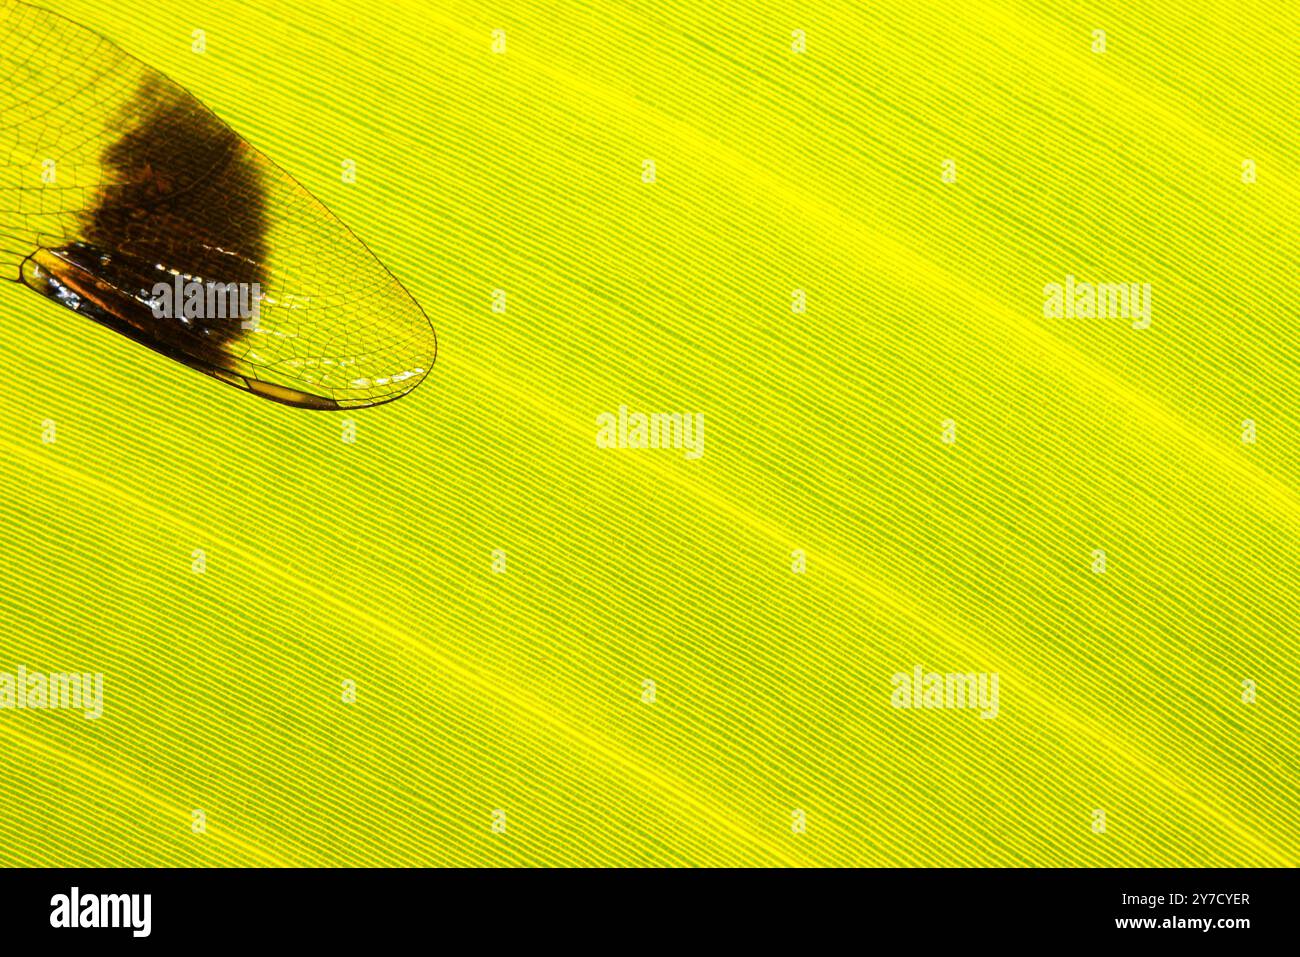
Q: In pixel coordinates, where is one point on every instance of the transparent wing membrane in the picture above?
(124, 199)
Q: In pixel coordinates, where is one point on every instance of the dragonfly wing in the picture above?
(116, 182)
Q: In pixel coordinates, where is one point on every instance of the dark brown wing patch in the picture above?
(157, 189)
